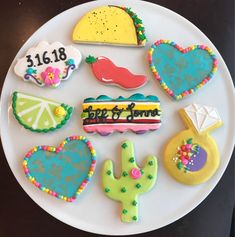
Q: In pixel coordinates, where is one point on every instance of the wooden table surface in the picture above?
(20, 216)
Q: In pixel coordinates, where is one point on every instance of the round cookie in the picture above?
(192, 156)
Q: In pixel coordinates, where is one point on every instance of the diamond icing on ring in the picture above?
(202, 116)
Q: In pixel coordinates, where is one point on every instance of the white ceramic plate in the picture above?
(168, 200)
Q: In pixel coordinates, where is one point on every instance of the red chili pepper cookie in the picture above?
(108, 73)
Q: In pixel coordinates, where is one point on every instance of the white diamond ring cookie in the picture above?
(192, 156)
(48, 64)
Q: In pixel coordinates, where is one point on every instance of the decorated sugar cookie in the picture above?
(132, 182)
(62, 171)
(39, 114)
(110, 25)
(108, 73)
(181, 71)
(192, 156)
(48, 64)
(105, 115)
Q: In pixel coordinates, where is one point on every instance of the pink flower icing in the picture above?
(135, 173)
(51, 76)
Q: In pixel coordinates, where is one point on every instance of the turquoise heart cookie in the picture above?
(62, 171)
(181, 71)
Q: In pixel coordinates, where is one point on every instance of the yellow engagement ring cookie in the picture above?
(192, 156)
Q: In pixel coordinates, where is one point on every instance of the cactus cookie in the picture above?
(132, 182)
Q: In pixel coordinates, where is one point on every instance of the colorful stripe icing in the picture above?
(137, 113)
(62, 171)
(181, 71)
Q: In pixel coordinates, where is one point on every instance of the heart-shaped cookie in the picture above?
(181, 71)
(62, 171)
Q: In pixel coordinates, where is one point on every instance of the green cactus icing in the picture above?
(134, 203)
(109, 172)
(124, 211)
(124, 173)
(128, 187)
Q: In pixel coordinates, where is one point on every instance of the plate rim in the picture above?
(172, 220)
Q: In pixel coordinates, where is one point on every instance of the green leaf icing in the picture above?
(90, 59)
(140, 31)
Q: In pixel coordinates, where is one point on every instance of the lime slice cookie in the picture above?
(113, 25)
(39, 114)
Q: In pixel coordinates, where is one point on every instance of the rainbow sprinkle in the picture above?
(182, 50)
(57, 150)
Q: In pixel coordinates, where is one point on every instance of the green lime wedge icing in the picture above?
(39, 114)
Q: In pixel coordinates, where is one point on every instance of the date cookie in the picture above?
(48, 64)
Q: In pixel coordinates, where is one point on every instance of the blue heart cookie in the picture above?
(63, 171)
(181, 71)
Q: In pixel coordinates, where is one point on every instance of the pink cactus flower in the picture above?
(51, 76)
(135, 173)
